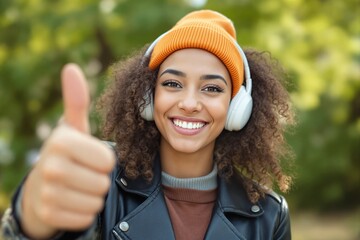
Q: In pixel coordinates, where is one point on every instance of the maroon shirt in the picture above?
(190, 211)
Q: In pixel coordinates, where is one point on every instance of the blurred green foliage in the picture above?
(318, 42)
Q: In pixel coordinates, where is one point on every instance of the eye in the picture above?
(213, 88)
(171, 84)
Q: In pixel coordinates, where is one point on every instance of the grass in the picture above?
(329, 226)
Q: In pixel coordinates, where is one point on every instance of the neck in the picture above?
(186, 165)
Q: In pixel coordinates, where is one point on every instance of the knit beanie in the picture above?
(207, 30)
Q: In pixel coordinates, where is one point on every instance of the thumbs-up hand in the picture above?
(66, 188)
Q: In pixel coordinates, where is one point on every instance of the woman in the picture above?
(197, 142)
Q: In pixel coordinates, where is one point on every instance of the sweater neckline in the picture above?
(204, 183)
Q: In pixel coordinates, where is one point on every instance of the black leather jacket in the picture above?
(135, 209)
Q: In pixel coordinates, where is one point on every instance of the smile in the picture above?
(188, 125)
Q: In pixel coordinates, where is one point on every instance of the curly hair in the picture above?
(254, 153)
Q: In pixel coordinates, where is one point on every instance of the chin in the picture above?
(188, 147)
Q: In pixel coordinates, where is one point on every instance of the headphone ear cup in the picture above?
(147, 112)
(239, 110)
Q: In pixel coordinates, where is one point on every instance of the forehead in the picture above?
(197, 61)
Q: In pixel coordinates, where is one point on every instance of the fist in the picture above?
(66, 188)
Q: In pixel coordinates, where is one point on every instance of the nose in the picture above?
(190, 103)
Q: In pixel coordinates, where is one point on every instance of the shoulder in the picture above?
(277, 199)
(275, 202)
(276, 206)
(270, 212)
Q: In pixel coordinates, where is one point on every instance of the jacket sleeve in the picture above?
(283, 230)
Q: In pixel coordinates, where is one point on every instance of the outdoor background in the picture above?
(318, 43)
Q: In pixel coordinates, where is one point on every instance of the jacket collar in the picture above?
(232, 197)
(139, 185)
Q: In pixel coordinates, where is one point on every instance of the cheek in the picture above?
(219, 110)
(162, 102)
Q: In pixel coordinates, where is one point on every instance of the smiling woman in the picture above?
(195, 125)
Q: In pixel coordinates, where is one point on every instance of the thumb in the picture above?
(76, 97)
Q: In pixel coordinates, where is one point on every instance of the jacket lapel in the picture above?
(232, 199)
(148, 221)
(221, 228)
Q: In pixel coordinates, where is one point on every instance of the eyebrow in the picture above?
(213, 76)
(204, 77)
(174, 72)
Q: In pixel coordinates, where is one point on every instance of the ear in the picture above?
(239, 110)
(147, 112)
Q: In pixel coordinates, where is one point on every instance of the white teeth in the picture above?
(188, 125)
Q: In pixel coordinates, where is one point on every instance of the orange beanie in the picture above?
(208, 30)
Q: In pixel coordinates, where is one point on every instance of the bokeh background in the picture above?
(317, 41)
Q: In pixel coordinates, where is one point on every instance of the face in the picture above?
(191, 100)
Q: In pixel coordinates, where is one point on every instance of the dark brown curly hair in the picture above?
(254, 153)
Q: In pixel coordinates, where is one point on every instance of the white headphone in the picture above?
(240, 106)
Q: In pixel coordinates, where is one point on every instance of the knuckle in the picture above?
(88, 220)
(99, 203)
(46, 194)
(46, 214)
(61, 139)
(52, 171)
(56, 138)
(46, 171)
(57, 143)
(107, 183)
(104, 183)
(108, 159)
